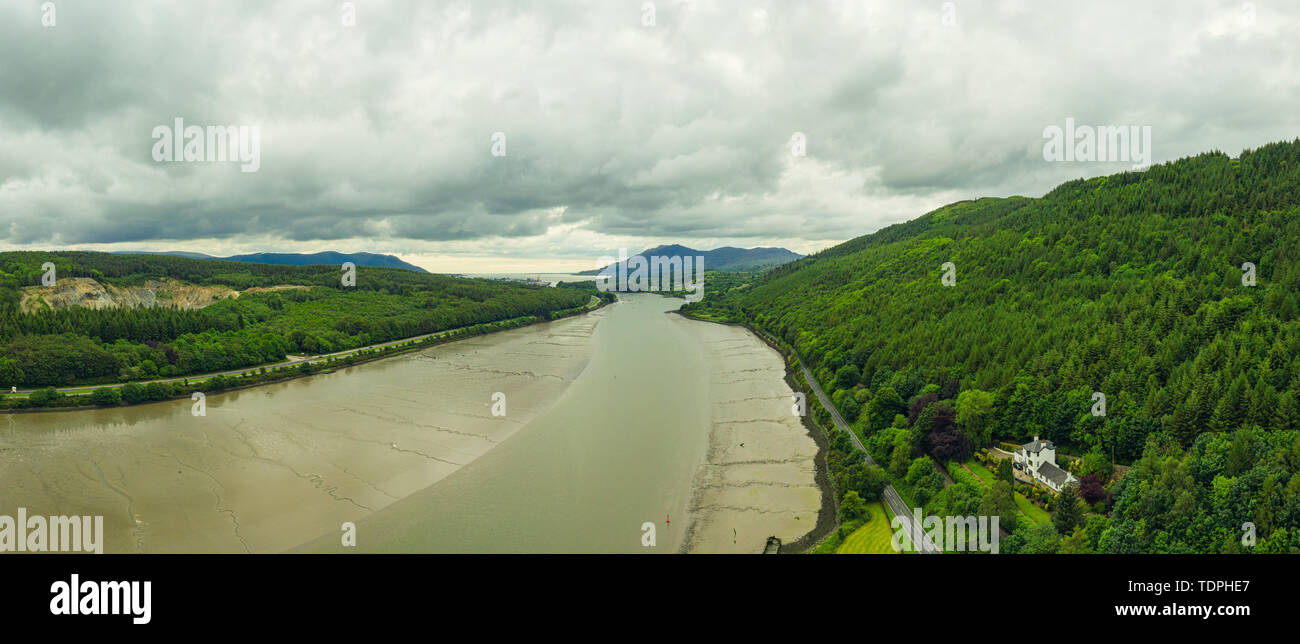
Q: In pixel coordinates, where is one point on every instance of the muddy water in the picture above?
(613, 419)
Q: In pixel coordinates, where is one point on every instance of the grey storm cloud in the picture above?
(679, 130)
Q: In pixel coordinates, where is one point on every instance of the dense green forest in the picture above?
(83, 345)
(1131, 285)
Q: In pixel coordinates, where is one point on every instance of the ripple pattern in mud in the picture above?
(759, 475)
(271, 467)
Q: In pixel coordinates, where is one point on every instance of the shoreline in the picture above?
(827, 516)
(386, 447)
(268, 469)
(291, 371)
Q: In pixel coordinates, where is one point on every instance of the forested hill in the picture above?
(1130, 285)
(86, 345)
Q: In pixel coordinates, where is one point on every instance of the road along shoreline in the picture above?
(278, 372)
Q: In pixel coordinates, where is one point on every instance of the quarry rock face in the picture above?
(91, 294)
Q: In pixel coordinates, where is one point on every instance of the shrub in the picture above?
(44, 397)
(853, 507)
(106, 396)
(133, 393)
(158, 391)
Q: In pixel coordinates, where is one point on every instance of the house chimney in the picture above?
(1035, 438)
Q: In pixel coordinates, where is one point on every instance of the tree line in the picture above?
(78, 345)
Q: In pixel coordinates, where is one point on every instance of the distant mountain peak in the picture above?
(725, 258)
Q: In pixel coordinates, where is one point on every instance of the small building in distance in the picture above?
(1038, 459)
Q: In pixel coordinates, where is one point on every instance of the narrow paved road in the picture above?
(239, 372)
(889, 495)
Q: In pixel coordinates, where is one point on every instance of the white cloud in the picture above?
(377, 136)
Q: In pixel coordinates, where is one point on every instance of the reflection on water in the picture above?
(619, 448)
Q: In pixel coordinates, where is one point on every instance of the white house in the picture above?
(1038, 459)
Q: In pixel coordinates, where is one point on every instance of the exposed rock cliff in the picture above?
(84, 291)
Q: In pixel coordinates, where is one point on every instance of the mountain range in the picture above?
(726, 258)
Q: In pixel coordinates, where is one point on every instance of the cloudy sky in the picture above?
(626, 123)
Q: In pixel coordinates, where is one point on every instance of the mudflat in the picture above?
(759, 475)
(270, 467)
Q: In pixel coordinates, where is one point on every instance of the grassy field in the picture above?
(873, 537)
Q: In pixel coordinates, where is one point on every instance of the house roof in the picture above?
(1036, 446)
(1053, 473)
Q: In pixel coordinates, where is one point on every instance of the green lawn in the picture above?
(1031, 511)
(982, 472)
(1027, 509)
(873, 538)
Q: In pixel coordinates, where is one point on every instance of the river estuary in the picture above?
(612, 419)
